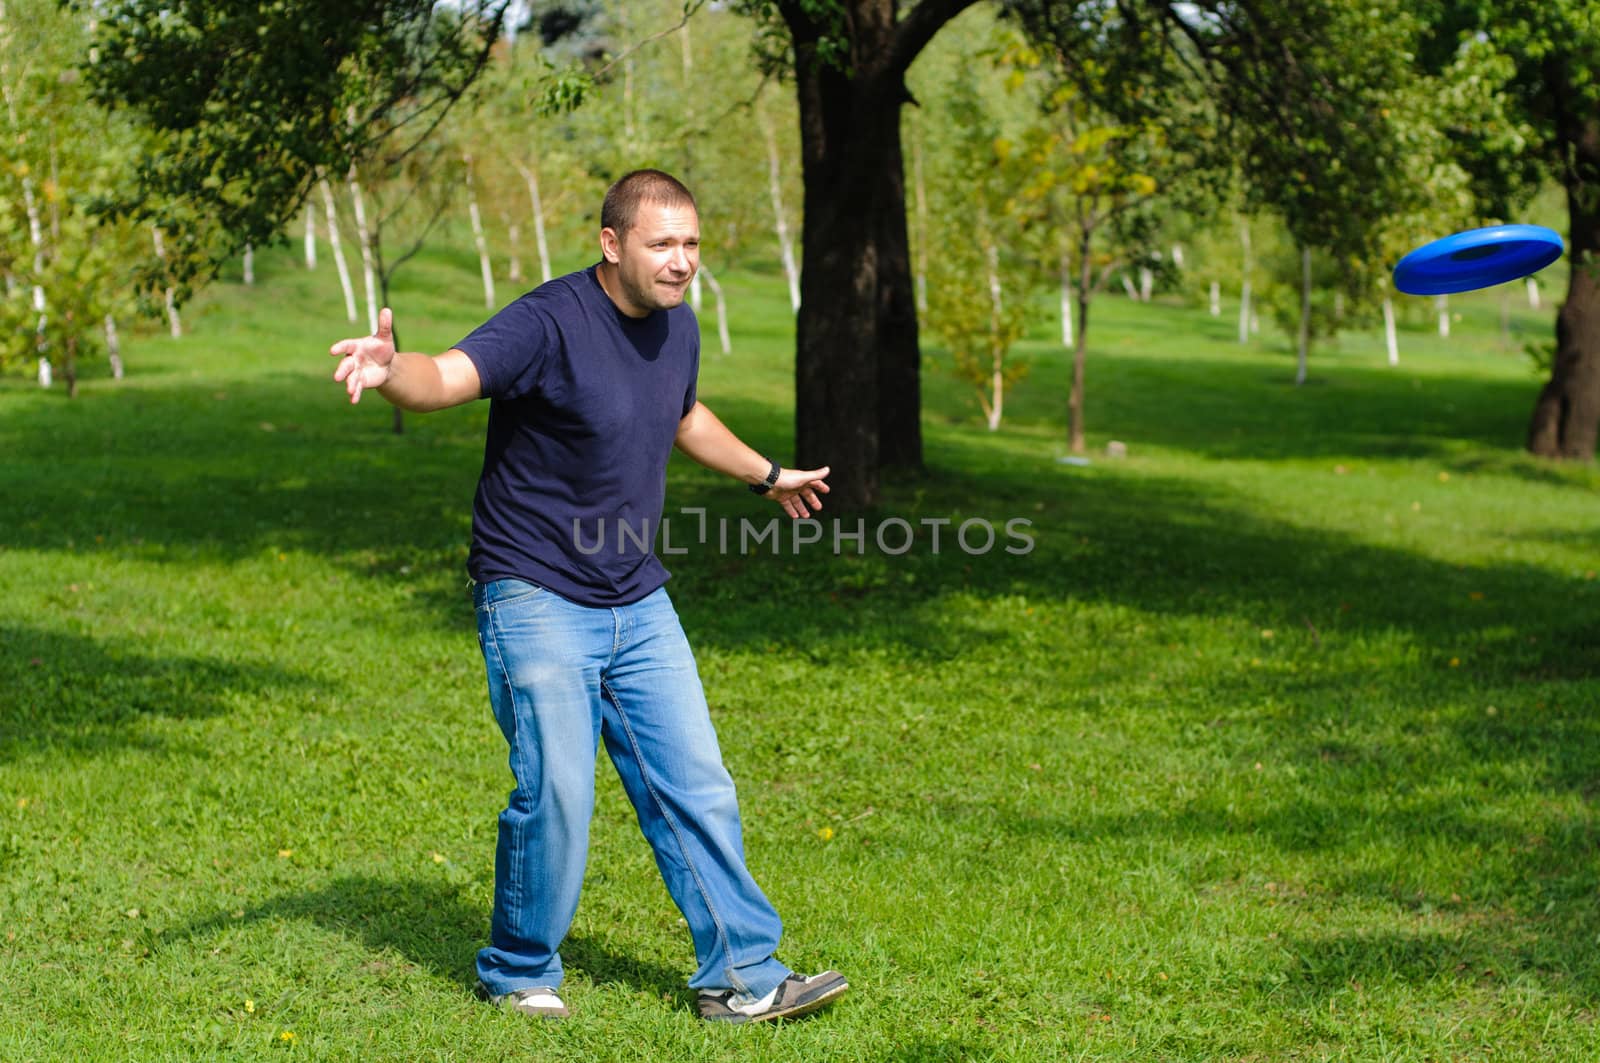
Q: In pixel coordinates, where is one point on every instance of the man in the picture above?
(591, 382)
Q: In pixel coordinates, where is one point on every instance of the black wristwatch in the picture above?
(772, 478)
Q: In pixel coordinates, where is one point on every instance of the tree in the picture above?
(978, 282)
(857, 384)
(252, 104)
(1543, 57)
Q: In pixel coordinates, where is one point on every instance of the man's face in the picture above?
(656, 259)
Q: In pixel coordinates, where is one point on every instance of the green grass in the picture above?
(1280, 744)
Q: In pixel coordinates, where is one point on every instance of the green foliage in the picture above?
(248, 104)
(67, 155)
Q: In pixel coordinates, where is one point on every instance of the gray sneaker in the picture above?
(794, 997)
(541, 1002)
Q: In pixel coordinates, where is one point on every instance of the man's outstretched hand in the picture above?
(364, 362)
(797, 489)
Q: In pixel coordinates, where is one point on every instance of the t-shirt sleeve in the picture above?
(512, 349)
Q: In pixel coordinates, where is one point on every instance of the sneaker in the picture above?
(539, 1001)
(794, 997)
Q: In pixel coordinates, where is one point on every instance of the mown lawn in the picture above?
(1281, 743)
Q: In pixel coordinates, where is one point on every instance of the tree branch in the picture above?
(917, 29)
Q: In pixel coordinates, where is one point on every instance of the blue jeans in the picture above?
(562, 676)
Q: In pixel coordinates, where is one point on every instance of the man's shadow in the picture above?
(431, 926)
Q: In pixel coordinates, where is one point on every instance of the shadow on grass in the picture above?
(431, 926)
(72, 693)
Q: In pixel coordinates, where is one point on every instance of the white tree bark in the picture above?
(174, 323)
(369, 273)
(311, 237)
(484, 265)
(921, 189)
(780, 221)
(1533, 293)
(113, 348)
(1246, 315)
(1127, 286)
(338, 249)
(35, 234)
(1177, 255)
(1305, 317)
(996, 310)
(722, 310)
(249, 264)
(531, 176)
(1216, 299)
(1066, 299)
(1147, 282)
(514, 238)
(1390, 338)
(1442, 304)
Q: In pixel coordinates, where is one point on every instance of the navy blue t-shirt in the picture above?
(584, 405)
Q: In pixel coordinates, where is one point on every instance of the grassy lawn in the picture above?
(1281, 743)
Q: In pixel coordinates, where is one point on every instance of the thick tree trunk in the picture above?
(857, 385)
(1566, 417)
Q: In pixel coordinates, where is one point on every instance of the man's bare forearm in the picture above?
(420, 382)
(704, 437)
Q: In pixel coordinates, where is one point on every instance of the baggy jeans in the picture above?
(563, 676)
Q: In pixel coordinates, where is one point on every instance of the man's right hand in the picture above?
(366, 362)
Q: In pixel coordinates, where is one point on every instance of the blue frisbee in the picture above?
(1477, 258)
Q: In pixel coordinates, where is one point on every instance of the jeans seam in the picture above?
(672, 824)
(515, 869)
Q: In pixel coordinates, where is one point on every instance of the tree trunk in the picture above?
(1127, 286)
(174, 323)
(1066, 299)
(920, 186)
(1080, 352)
(1441, 303)
(514, 238)
(249, 264)
(780, 219)
(311, 237)
(1216, 299)
(997, 383)
(1533, 293)
(722, 310)
(531, 176)
(857, 384)
(485, 267)
(1246, 314)
(1566, 417)
(1390, 339)
(364, 237)
(113, 348)
(1147, 283)
(1304, 344)
(338, 249)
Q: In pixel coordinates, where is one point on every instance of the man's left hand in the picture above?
(797, 489)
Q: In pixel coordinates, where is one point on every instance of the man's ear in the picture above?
(610, 246)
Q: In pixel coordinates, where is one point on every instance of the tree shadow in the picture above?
(431, 926)
(72, 693)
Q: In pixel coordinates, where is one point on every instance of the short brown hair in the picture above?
(622, 200)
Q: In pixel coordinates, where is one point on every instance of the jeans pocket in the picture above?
(503, 592)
